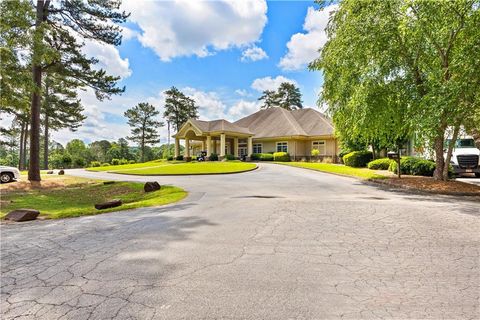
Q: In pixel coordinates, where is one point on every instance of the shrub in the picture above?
(379, 164)
(105, 164)
(315, 152)
(132, 162)
(266, 157)
(170, 158)
(115, 162)
(123, 161)
(79, 162)
(179, 158)
(423, 168)
(95, 164)
(213, 157)
(255, 156)
(327, 160)
(281, 156)
(230, 157)
(357, 158)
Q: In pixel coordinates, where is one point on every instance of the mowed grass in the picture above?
(64, 197)
(181, 168)
(362, 173)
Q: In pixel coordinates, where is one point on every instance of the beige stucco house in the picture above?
(270, 130)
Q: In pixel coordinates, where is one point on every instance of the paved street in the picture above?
(274, 243)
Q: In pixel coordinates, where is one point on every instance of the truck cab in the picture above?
(465, 156)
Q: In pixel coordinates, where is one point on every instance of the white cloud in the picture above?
(243, 108)
(269, 83)
(128, 34)
(303, 47)
(242, 92)
(109, 58)
(209, 103)
(253, 54)
(184, 28)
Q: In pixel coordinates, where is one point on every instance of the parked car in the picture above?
(465, 157)
(9, 174)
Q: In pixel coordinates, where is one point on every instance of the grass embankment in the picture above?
(64, 196)
(362, 173)
(179, 168)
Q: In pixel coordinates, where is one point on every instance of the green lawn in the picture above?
(179, 168)
(63, 197)
(362, 173)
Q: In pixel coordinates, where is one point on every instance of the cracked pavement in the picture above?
(275, 243)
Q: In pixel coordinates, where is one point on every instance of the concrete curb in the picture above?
(180, 174)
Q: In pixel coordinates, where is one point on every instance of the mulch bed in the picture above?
(428, 184)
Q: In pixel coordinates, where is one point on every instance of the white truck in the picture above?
(9, 174)
(465, 156)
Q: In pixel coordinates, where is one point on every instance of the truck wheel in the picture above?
(477, 174)
(6, 177)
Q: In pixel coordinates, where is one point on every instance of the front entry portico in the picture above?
(218, 137)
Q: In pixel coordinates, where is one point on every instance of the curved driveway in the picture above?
(275, 243)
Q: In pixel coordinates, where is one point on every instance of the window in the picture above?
(319, 145)
(257, 148)
(282, 146)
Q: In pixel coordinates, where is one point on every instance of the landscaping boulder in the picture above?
(20, 215)
(61, 172)
(108, 182)
(151, 186)
(109, 204)
(50, 172)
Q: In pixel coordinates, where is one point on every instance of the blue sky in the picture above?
(221, 53)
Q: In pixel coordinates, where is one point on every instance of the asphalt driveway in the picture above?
(275, 243)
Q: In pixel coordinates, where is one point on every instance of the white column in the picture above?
(222, 145)
(235, 147)
(209, 146)
(249, 146)
(177, 147)
(203, 145)
(187, 148)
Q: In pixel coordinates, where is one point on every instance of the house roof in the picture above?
(219, 125)
(272, 122)
(278, 122)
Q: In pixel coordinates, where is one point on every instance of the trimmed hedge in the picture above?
(213, 157)
(115, 162)
(179, 158)
(413, 166)
(95, 164)
(379, 164)
(357, 158)
(262, 156)
(281, 156)
(230, 157)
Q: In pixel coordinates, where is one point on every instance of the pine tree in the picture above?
(269, 98)
(144, 130)
(287, 96)
(55, 46)
(179, 108)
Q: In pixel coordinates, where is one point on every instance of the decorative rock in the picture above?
(151, 186)
(109, 204)
(20, 215)
(50, 172)
(108, 182)
(61, 172)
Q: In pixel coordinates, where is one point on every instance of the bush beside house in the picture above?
(357, 158)
(281, 157)
(413, 166)
(379, 164)
(262, 156)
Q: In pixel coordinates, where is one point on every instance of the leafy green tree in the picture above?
(141, 119)
(99, 150)
(178, 108)
(394, 68)
(54, 44)
(287, 96)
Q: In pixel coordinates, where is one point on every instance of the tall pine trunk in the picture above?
(45, 142)
(20, 155)
(34, 163)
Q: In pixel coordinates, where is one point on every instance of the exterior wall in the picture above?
(299, 148)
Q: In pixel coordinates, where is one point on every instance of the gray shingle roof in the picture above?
(278, 122)
(219, 125)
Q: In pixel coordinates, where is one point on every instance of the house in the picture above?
(266, 131)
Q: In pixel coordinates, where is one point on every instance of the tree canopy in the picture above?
(179, 108)
(287, 96)
(394, 68)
